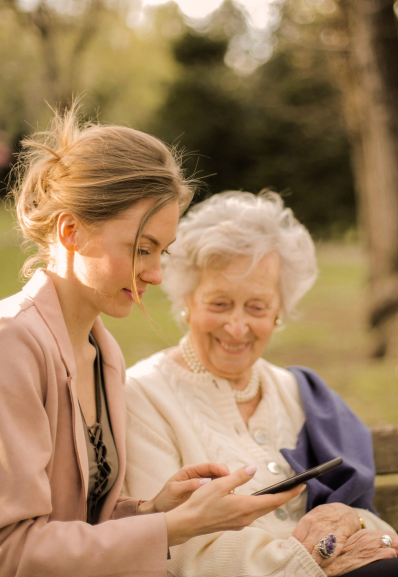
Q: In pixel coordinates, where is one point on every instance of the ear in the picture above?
(67, 227)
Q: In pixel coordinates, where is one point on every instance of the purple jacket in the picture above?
(332, 430)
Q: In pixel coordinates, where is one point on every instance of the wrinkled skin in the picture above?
(355, 548)
(360, 549)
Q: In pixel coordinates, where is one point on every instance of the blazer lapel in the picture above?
(44, 296)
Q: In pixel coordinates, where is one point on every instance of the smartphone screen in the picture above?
(301, 478)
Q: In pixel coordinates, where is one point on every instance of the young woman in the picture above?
(102, 204)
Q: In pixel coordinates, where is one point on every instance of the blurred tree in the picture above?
(281, 127)
(77, 27)
(361, 39)
(372, 26)
(121, 70)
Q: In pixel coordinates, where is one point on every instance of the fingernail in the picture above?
(204, 481)
(251, 469)
(302, 488)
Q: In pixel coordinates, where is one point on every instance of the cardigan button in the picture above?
(260, 436)
(280, 514)
(274, 468)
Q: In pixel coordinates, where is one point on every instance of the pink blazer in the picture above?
(43, 457)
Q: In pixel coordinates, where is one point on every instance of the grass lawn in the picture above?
(329, 336)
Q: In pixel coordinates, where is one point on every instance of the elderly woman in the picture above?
(238, 268)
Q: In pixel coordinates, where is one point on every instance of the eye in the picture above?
(143, 252)
(165, 252)
(218, 306)
(257, 308)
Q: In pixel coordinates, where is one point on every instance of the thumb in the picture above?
(239, 477)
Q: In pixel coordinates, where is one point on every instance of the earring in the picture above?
(278, 322)
(185, 315)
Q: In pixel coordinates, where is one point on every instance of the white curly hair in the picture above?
(233, 224)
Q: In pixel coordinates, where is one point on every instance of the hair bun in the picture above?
(92, 171)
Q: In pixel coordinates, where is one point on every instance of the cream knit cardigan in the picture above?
(176, 418)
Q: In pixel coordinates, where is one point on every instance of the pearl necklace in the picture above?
(189, 356)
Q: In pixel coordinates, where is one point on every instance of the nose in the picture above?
(236, 326)
(152, 275)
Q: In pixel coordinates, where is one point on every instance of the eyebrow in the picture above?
(154, 240)
(269, 295)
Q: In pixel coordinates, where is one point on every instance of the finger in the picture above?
(347, 563)
(209, 470)
(236, 479)
(258, 505)
(279, 499)
(201, 470)
(394, 538)
(314, 536)
(181, 489)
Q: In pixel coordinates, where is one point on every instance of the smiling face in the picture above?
(103, 268)
(232, 315)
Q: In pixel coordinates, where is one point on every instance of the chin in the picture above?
(119, 312)
(229, 368)
(232, 367)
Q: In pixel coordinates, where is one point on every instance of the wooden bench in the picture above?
(385, 446)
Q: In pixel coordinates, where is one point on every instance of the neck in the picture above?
(241, 382)
(78, 312)
(187, 356)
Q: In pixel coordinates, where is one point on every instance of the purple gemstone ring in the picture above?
(326, 546)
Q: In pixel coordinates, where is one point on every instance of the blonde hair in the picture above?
(95, 172)
(233, 224)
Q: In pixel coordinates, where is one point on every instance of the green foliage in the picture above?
(192, 50)
(281, 128)
(122, 74)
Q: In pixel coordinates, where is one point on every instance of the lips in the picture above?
(130, 294)
(233, 348)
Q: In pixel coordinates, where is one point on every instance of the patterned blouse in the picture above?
(101, 448)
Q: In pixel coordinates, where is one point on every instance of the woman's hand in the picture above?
(335, 518)
(180, 487)
(360, 549)
(214, 507)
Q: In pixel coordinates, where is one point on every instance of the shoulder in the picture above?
(150, 378)
(11, 307)
(23, 347)
(284, 380)
(20, 323)
(279, 373)
(319, 399)
(147, 368)
(312, 385)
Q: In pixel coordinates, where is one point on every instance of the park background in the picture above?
(256, 94)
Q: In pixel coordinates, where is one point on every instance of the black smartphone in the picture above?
(301, 478)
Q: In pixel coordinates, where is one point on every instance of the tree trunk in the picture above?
(372, 27)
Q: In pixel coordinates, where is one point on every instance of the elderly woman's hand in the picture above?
(360, 549)
(335, 518)
(180, 487)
